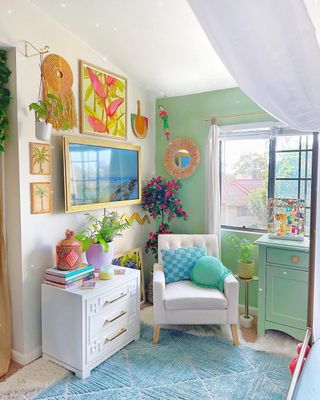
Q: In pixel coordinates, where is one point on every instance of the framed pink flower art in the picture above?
(103, 102)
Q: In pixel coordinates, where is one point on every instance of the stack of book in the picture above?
(68, 279)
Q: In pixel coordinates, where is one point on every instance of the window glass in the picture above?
(244, 183)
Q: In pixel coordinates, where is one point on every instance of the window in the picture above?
(254, 168)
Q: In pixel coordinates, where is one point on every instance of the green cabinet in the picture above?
(283, 286)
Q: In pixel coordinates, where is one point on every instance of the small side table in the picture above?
(246, 319)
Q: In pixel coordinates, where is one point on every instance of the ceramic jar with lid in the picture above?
(69, 252)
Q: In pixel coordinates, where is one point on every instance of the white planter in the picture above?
(43, 131)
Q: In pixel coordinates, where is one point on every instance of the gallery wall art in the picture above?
(103, 102)
(41, 197)
(40, 159)
(139, 123)
(57, 80)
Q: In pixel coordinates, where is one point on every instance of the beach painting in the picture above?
(101, 174)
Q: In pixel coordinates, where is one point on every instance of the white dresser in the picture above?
(83, 327)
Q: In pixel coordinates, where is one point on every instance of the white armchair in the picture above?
(184, 303)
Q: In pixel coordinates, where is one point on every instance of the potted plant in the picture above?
(160, 199)
(245, 251)
(44, 110)
(97, 239)
(5, 98)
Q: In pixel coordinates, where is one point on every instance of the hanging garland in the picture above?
(4, 98)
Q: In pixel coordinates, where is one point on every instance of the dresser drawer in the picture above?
(104, 322)
(290, 258)
(112, 337)
(107, 301)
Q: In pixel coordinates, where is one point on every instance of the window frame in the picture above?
(271, 175)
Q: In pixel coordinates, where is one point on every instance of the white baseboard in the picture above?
(27, 358)
(252, 310)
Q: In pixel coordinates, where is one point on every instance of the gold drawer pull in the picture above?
(123, 330)
(295, 259)
(108, 321)
(116, 299)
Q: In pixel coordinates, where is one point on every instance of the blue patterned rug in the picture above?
(183, 367)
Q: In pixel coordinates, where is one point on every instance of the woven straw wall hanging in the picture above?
(57, 79)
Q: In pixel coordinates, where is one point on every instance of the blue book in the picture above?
(68, 274)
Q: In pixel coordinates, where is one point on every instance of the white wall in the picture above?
(30, 256)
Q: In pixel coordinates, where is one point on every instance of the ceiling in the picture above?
(157, 42)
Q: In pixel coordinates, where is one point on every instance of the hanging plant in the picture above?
(5, 98)
(160, 199)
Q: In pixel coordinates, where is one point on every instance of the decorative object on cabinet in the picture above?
(164, 116)
(246, 319)
(94, 324)
(41, 197)
(171, 158)
(103, 102)
(98, 238)
(5, 98)
(57, 79)
(44, 111)
(136, 217)
(69, 252)
(139, 123)
(40, 159)
(114, 178)
(133, 260)
(166, 208)
(283, 286)
(245, 251)
(106, 273)
(286, 219)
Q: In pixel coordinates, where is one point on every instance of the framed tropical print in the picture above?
(103, 102)
(40, 159)
(41, 197)
(133, 260)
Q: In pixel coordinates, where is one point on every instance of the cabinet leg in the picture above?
(234, 331)
(83, 374)
(156, 332)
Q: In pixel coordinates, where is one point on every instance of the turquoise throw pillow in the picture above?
(209, 272)
(178, 263)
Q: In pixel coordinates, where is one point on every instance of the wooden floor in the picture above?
(13, 368)
(249, 334)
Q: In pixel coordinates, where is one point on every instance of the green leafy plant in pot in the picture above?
(245, 251)
(44, 110)
(98, 239)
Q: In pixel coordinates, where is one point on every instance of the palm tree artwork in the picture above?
(41, 197)
(40, 159)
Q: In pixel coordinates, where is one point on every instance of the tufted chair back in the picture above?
(173, 241)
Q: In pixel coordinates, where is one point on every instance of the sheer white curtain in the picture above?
(270, 48)
(212, 203)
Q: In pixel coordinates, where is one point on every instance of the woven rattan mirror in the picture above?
(181, 158)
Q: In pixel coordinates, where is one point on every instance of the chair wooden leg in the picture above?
(156, 332)
(234, 331)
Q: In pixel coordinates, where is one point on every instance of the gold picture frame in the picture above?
(41, 197)
(102, 102)
(40, 159)
(70, 205)
(133, 259)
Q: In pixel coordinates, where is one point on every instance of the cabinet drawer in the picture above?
(111, 338)
(290, 258)
(287, 296)
(107, 301)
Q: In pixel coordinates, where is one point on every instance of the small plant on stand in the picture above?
(44, 110)
(245, 251)
(160, 199)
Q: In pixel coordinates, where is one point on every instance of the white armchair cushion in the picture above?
(184, 295)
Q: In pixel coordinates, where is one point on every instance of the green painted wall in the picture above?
(186, 119)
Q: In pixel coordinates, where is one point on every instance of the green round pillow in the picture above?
(209, 272)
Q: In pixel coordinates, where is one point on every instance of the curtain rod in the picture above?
(214, 119)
